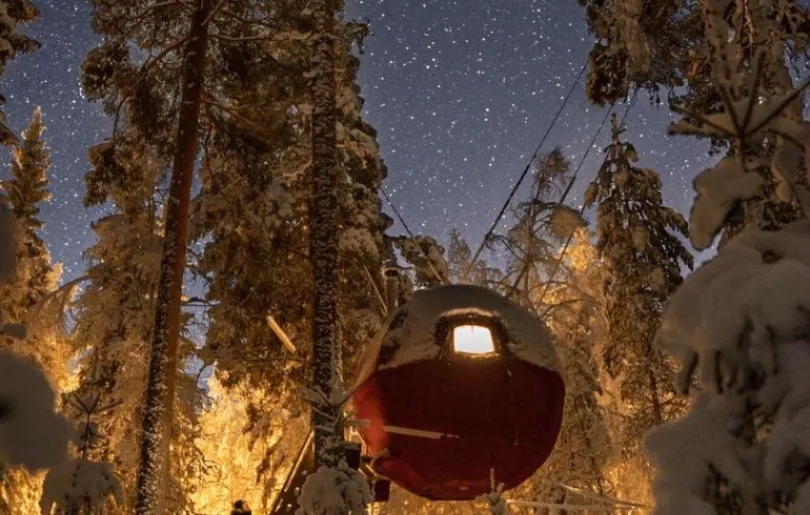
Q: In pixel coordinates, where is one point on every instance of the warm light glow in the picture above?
(473, 339)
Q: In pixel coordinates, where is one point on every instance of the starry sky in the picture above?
(460, 92)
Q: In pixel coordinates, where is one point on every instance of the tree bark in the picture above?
(158, 406)
(324, 239)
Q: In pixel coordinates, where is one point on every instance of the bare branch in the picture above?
(262, 22)
(231, 112)
(213, 12)
(262, 37)
(158, 5)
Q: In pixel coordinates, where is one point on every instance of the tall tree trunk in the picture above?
(324, 238)
(158, 408)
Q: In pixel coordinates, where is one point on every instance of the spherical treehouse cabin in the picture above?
(462, 382)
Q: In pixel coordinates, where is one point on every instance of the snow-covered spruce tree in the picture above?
(32, 436)
(12, 14)
(693, 44)
(741, 321)
(637, 236)
(254, 207)
(157, 65)
(113, 317)
(257, 183)
(23, 298)
(79, 486)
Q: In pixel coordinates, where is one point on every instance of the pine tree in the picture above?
(638, 239)
(426, 257)
(739, 323)
(113, 317)
(696, 46)
(154, 463)
(35, 277)
(12, 14)
(24, 299)
(254, 207)
(256, 146)
(161, 101)
(26, 191)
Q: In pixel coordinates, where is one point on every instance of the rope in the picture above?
(525, 170)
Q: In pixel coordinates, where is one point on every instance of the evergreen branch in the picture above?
(63, 290)
(142, 72)
(685, 111)
(783, 103)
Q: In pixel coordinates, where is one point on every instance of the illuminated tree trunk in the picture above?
(160, 388)
(324, 240)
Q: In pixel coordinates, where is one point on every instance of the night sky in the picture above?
(460, 91)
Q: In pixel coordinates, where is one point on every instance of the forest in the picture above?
(256, 328)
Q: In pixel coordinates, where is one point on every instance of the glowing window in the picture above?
(473, 339)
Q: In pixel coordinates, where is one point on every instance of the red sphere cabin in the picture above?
(462, 383)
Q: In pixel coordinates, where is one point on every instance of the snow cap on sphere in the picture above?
(412, 332)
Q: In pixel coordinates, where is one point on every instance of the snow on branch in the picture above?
(80, 486)
(743, 322)
(334, 491)
(32, 434)
(746, 120)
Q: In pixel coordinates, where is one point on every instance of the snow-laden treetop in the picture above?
(742, 322)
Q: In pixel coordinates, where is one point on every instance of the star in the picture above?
(460, 93)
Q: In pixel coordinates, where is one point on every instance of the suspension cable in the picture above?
(559, 260)
(525, 172)
(570, 184)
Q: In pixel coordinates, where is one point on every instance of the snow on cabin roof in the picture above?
(412, 330)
